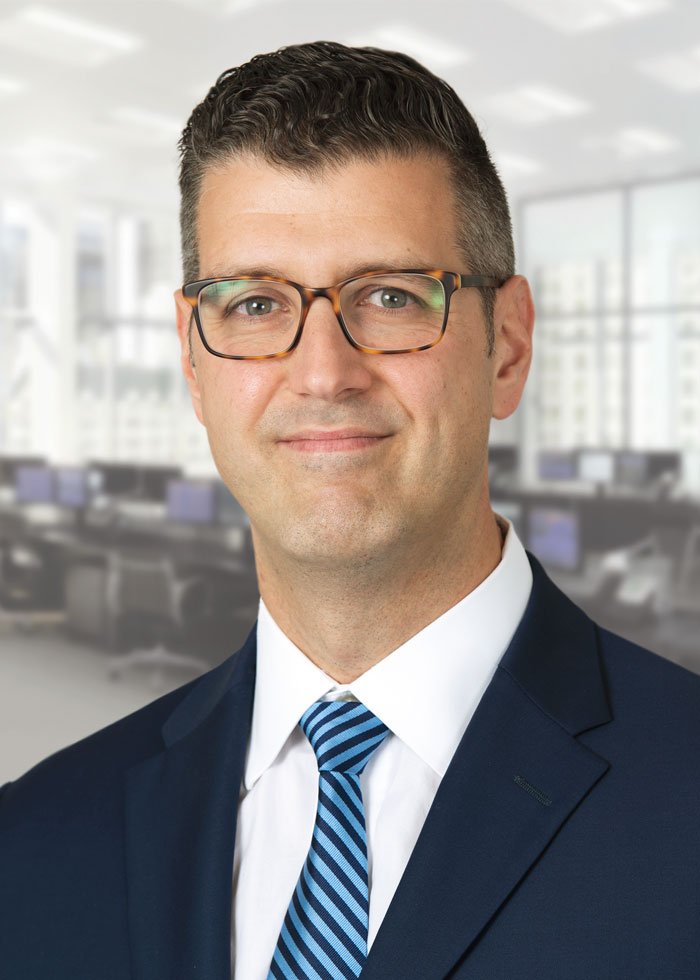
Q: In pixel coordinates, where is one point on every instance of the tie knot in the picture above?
(343, 734)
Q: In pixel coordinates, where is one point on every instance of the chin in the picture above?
(337, 539)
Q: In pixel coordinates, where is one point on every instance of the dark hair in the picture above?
(308, 106)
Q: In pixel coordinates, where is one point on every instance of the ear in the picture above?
(184, 314)
(514, 321)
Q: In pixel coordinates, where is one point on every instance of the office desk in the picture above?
(91, 562)
(154, 541)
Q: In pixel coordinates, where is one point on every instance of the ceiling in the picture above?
(568, 93)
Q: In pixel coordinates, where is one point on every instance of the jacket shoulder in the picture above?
(655, 705)
(94, 759)
(647, 671)
(136, 737)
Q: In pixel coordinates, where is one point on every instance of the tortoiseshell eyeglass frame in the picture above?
(450, 281)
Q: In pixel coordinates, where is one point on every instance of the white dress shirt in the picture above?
(426, 692)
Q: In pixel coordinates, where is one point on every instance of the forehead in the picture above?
(395, 210)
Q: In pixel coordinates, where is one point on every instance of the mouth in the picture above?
(332, 440)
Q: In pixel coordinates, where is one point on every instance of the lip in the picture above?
(325, 434)
(333, 440)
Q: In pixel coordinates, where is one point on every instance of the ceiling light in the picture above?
(573, 16)
(48, 159)
(10, 86)
(639, 141)
(420, 45)
(239, 6)
(532, 104)
(635, 141)
(679, 71)
(52, 34)
(224, 8)
(154, 123)
(514, 165)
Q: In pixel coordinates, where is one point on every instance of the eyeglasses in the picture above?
(385, 312)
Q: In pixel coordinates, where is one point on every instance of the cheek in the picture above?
(454, 410)
(435, 391)
(234, 395)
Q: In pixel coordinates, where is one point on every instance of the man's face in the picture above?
(339, 455)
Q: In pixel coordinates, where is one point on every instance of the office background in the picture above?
(125, 565)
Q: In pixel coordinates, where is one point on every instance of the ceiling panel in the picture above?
(629, 115)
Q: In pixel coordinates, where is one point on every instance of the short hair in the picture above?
(306, 107)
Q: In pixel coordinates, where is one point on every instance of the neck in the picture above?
(346, 619)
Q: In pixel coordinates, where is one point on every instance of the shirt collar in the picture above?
(425, 691)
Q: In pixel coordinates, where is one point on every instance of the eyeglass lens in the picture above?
(392, 312)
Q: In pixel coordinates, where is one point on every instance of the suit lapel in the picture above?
(180, 812)
(517, 775)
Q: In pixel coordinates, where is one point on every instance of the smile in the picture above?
(325, 441)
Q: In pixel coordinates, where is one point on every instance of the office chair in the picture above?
(641, 593)
(147, 598)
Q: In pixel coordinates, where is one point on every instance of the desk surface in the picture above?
(99, 544)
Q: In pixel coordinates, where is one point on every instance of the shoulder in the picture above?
(655, 707)
(87, 777)
(636, 674)
(584, 658)
(92, 763)
(94, 766)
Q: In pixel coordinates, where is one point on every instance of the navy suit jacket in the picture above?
(563, 843)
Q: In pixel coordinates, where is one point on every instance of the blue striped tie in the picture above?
(324, 935)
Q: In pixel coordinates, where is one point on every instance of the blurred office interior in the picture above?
(126, 566)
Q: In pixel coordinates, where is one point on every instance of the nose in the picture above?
(324, 363)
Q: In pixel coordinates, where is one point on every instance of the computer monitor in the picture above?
(34, 484)
(72, 487)
(661, 461)
(10, 464)
(557, 464)
(632, 469)
(596, 465)
(191, 501)
(153, 481)
(554, 536)
(114, 479)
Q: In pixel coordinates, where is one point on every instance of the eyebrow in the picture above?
(270, 270)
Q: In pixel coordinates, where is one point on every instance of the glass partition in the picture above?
(616, 281)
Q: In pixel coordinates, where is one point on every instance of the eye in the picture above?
(390, 298)
(254, 306)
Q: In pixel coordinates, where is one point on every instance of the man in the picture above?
(425, 762)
